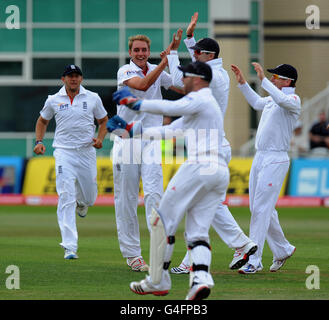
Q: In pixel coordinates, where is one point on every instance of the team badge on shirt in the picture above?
(84, 106)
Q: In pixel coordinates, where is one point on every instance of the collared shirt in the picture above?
(220, 83)
(201, 123)
(75, 126)
(131, 70)
(281, 110)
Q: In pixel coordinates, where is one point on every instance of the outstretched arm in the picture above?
(186, 105)
(190, 41)
(257, 102)
(192, 25)
(288, 102)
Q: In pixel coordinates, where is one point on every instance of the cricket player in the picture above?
(195, 188)
(280, 113)
(207, 50)
(145, 81)
(74, 109)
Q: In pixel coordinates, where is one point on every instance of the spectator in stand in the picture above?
(298, 145)
(319, 134)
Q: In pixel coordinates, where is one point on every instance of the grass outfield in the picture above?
(29, 238)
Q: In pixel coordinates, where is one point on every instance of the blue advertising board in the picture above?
(11, 170)
(309, 177)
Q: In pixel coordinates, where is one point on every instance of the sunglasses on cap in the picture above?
(189, 74)
(199, 51)
(276, 76)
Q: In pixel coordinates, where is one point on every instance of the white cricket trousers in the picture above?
(133, 160)
(267, 175)
(224, 223)
(195, 194)
(76, 180)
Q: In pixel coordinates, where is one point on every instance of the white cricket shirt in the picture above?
(281, 110)
(220, 83)
(201, 123)
(131, 70)
(75, 126)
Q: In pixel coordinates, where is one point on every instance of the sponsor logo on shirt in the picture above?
(84, 106)
(129, 72)
(63, 106)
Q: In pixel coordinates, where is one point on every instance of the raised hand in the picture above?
(177, 37)
(175, 42)
(258, 68)
(192, 25)
(238, 74)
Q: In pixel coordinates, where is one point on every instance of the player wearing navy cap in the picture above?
(74, 109)
(207, 50)
(195, 188)
(280, 113)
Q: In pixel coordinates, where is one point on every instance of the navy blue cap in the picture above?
(197, 69)
(285, 70)
(71, 68)
(207, 44)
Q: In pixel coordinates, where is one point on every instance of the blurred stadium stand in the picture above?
(94, 33)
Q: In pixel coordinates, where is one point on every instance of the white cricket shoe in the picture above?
(145, 287)
(181, 269)
(137, 264)
(69, 254)
(249, 269)
(241, 255)
(278, 264)
(198, 291)
(81, 210)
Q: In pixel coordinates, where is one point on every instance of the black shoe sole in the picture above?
(203, 293)
(245, 258)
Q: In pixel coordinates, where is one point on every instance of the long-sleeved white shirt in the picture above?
(219, 85)
(201, 124)
(280, 112)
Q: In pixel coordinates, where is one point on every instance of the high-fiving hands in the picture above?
(192, 25)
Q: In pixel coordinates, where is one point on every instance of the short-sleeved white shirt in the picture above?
(131, 70)
(75, 125)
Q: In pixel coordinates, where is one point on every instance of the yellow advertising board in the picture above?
(239, 177)
(40, 176)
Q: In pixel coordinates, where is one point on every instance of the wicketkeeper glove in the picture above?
(121, 128)
(125, 97)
